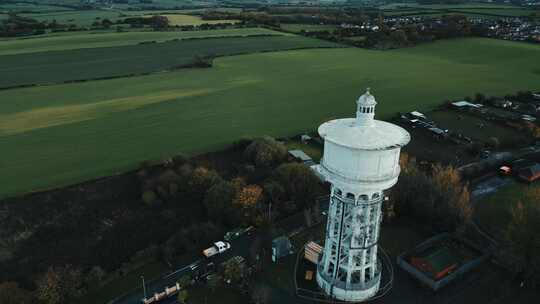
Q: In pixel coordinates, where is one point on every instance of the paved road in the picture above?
(239, 246)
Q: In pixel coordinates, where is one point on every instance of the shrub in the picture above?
(149, 197)
(265, 152)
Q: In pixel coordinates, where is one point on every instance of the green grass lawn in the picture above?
(79, 40)
(62, 134)
(494, 212)
(82, 64)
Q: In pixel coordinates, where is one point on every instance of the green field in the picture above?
(494, 212)
(298, 27)
(27, 7)
(92, 63)
(77, 40)
(81, 18)
(56, 135)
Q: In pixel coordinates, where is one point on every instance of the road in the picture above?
(239, 246)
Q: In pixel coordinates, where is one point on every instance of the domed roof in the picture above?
(364, 132)
(379, 135)
(366, 100)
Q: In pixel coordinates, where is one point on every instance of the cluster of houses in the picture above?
(515, 29)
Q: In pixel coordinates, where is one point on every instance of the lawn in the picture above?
(111, 39)
(62, 134)
(92, 63)
(494, 212)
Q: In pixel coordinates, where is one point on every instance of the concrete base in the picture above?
(356, 293)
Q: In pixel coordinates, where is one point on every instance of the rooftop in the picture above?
(364, 132)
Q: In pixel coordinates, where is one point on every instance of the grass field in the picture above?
(62, 134)
(297, 27)
(179, 19)
(26, 7)
(494, 212)
(81, 64)
(81, 18)
(110, 39)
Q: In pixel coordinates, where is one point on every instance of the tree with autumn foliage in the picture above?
(248, 200)
(439, 199)
(59, 284)
(522, 235)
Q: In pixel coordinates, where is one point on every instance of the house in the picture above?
(530, 174)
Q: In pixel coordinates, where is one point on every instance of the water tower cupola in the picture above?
(365, 110)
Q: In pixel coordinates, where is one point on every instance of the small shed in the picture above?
(302, 157)
(281, 246)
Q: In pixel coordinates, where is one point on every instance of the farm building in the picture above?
(530, 174)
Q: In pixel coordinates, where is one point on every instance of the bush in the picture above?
(265, 152)
(299, 183)
(149, 197)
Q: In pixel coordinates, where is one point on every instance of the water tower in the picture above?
(361, 160)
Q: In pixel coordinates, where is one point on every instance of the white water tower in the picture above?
(361, 160)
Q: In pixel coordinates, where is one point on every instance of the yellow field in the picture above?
(178, 19)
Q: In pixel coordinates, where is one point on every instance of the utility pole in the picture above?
(143, 286)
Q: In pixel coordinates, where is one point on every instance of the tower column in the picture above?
(361, 160)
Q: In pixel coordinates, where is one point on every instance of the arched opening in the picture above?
(350, 196)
